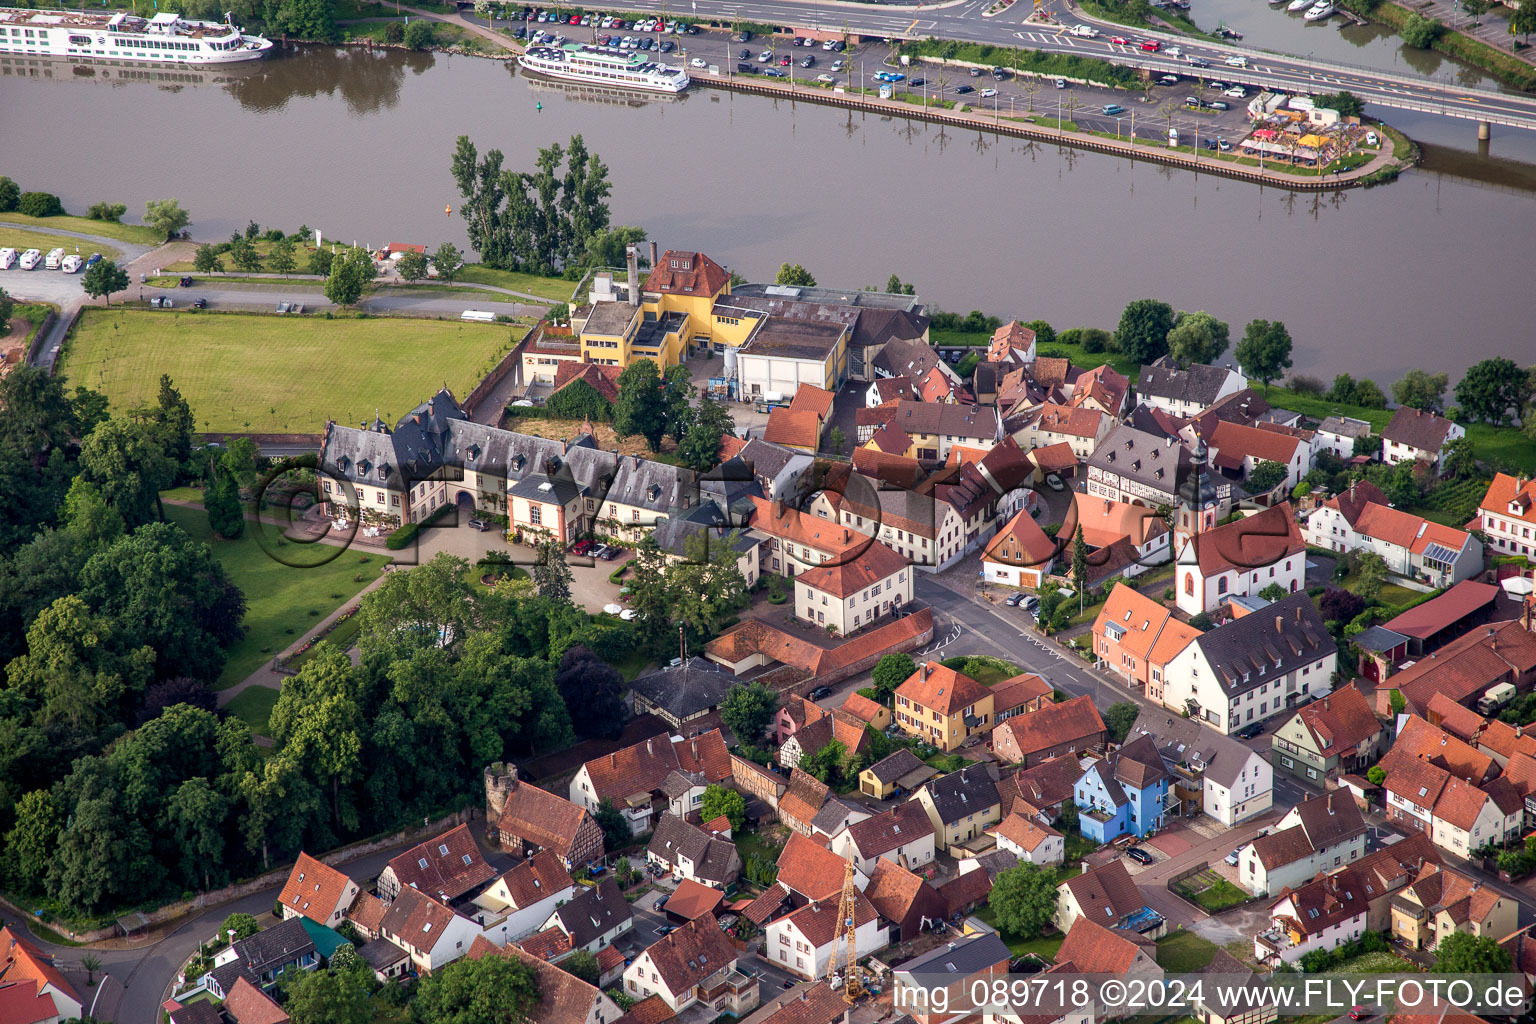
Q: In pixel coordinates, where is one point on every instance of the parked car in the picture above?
(659, 901)
(1232, 857)
(1061, 83)
(987, 93)
(963, 89)
(186, 282)
(745, 37)
(837, 66)
(776, 73)
(1110, 110)
(610, 552)
(1237, 92)
(698, 62)
(975, 72)
(581, 547)
(917, 82)
(825, 79)
(1030, 604)
(199, 303)
(765, 56)
(601, 551)
(1051, 479)
(1224, 145)
(1169, 80)
(1218, 105)
(476, 523)
(808, 62)
(1014, 600)
(283, 307)
(1139, 855)
(821, 692)
(744, 68)
(95, 257)
(1249, 731)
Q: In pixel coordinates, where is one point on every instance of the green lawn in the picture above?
(282, 603)
(21, 241)
(1044, 946)
(101, 228)
(1381, 962)
(555, 289)
(284, 374)
(1078, 847)
(253, 706)
(1184, 951)
(633, 665)
(301, 253)
(1220, 896)
(183, 494)
(987, 671)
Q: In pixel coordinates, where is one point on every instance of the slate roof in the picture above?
(960, 959)
(381, 954)
(202, 1012)
(1142, 457)
(907, 357)
(1255, 649)
(594, 911)
(964, 421)
(713, 859)
(643, 767)
(447, 866)
(889, 769)
(685, 690)
(1198, 384)
(273, 947)
(967, 791)
(1416, 429)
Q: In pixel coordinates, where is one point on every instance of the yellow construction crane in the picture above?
(844, 939)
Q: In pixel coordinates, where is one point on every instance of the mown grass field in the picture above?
(280, 374)
(555, 289)
(23, 239)
(282, 602)
(137, 233)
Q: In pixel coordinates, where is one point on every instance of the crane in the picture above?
(844, 944)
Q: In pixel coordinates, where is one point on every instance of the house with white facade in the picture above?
(1323, 914)
(849, 593)
(1320, 834)
(1029, 839)
(1189, 391)
(692, 965)
(596, 917)
(902, 835)
(1239, 559)
(1337, 434)
(1253, 667)
(1507, 515)
(519, 902)
(1415, 436)
(317, 891)
(801, 943)
(1079, 427)
(1361, 519)
(430, 933)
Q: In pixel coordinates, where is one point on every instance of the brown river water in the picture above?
(1432, 271)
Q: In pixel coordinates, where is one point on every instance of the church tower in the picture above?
(1196, 513)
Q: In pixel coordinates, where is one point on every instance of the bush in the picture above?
(1418, 31)
(40, 204)
(419, 34)
(403, 536)
(1302, 384)
(107, 211)
(394, 32)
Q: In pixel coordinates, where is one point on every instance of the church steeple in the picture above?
(1198, 501)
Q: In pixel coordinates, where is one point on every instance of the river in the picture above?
(1429, 272)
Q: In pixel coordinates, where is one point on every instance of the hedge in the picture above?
(1034, 61)
(408, 533)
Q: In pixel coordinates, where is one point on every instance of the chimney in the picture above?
(653, 255)
(1298, 613)
(565, 445)
(1279, 623)
(632, 258)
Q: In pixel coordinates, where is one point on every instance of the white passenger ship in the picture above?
(165, 38)
(603, 65)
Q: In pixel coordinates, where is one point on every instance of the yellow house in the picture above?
(962, 805)
(1441, 902)
(686, 283)
(671, 313)
(942, 706)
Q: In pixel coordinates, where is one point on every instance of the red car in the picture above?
(581, 547)
(575, 19)
(1151, 45)
(1121, 40)
(783, 62)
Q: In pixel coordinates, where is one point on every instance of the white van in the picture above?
(478, 316)
(72, 264)
(55, 259)
(7, 258)
(30, 259)
(1084, 31)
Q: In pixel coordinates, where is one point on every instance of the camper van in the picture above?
(30, 259)
(7, 258)
(55, 259)
(72, 264)
(1495, 698)
(478, 316)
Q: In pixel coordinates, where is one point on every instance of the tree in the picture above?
(448, 260)
(127, 461)
(491, 990)
(609, 246)
(583, 964)
(699, 447)
(1420, 390)
(206, 261)
(1273, 592)
(1522, 21)
(1266, 476)
(318, 721)
(1376, 774)
(641, 405)
(1045, 334)
(829, 764)
(1024, 900)
(1369, 394)
(1465, 953)
(173, 420)
(1079, 565)
(616, 831)
(7, 307)
(836, 440)
(166, 216)
(707, 587)
(894, 286)
(1492, 389)
(307, 19)
(593, 690)
(30, 843)
(1197, 338)
(40, 204)
(1143, 331)
(1119, 717)
(747, 710)
(280, 260)
(111, 212)
(1460, 458)
(243, 925)
(88, 518)
(412, 266)
(320, 262)
(1370, 575)
(92, 963)
(194, 815)
(350, 273)
(1265, 351)
(1421, 32)
(326, 997)
(10, 194)
(102, 278)
(1338, 604)
(419, 34)
(1202, 621)
(550, 573)
(1345, 102)
(221, 500)
(794, 274)
(718, 800)
(890, 672)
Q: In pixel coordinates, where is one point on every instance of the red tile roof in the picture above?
(21, 960)
(1020, 543)
(367, 912)
(843, 579)
(1473, 662)
(692, 953)
(686, 273)
(641, 768)
(1018, 691)
(1012, 335)
(1425, 620)
(935, 687)
(1078, 421)
(1457, 719)
(792, 525)
(1095, 949)
(810, 1004)
(24, 1003)
(1504, 489)
(536, 878)
(247, 1004)
(893, 890)
(1054, 458)
(1054, 724)
(809, 868)
(448, 866)
(863, 707)
(1231, 438)
(547, 944)
(1023, 831)
(1417, 740)
(602, 379)
(314, 889)
(817, 400)
(794, 428)
(1259, 539)
(563, 998)
(693, 899)
(1340, 721)
(543, 818)
(894, 828)
(817, 920)
(965, 891)
(650, 1010)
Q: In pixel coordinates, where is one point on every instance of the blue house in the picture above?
(1124, 794)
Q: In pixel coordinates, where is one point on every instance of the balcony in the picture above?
(1100, 816)
(1190, 774)
(1274, 942)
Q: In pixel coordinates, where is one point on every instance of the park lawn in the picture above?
(1184, 951)
(253, 706)
(1220, 896)
(193, 494)
(21, 241)
(301, 254)
(555, 289)
(282, 603)
(280, 374)
(101, 228)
